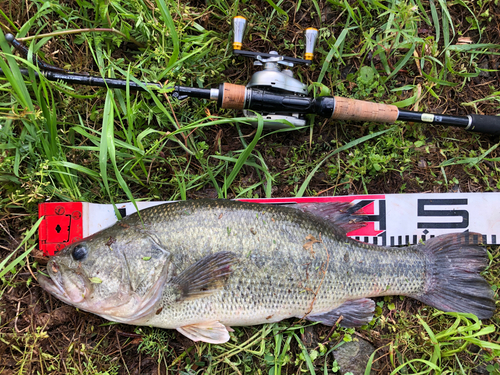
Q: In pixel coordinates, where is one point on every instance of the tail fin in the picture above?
(453, 263)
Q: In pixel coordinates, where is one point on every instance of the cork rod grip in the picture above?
(359, 110)
(233, 96)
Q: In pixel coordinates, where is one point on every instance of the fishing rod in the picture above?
(274, 93)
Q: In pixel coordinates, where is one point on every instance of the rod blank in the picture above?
(274, 102)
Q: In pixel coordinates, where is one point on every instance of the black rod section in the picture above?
(192, 92)
(114, 83)
(23, 50)
(86, 80)
(460, 121)
(473, 123)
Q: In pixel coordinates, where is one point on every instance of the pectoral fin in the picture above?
(354, 313)
(212, 332)
(204, 277)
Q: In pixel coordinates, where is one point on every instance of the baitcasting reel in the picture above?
(276, 75)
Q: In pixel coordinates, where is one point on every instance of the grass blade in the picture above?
(244, 156)
(334, 51)
(278, 9)
(307, 358)
(356, 142)
(4, 268)
(435, 19)
(107, 130)
(402, 62)
(172, 31)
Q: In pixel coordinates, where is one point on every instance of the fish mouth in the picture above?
(50, 285)
(71, 290)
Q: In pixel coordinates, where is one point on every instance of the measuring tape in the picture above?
(392, 219)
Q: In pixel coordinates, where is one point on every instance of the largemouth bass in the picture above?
(203, 266)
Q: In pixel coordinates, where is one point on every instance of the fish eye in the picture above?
(79, 252)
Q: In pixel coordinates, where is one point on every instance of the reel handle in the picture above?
(239, 26)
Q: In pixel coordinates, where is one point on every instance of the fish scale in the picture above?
(275, 271)
(202, 266)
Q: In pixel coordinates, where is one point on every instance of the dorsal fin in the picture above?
(341, 214)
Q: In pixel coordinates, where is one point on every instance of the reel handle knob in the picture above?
(239, 25)
(311, 35)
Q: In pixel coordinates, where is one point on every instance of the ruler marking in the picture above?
(384, 237)
(123, 212)
(382, 215)
(422, 212)
(494, 239)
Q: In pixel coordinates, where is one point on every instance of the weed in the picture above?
(155, 343)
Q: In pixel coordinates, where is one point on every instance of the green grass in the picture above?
(108, 146)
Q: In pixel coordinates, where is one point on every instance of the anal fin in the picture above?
(354, 313)
(212, 332)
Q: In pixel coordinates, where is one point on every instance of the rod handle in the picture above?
(484, 124)
(231, 96)
(360, 110)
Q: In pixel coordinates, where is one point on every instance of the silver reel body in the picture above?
(272, 78)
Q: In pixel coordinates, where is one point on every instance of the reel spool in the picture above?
(276, 75)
